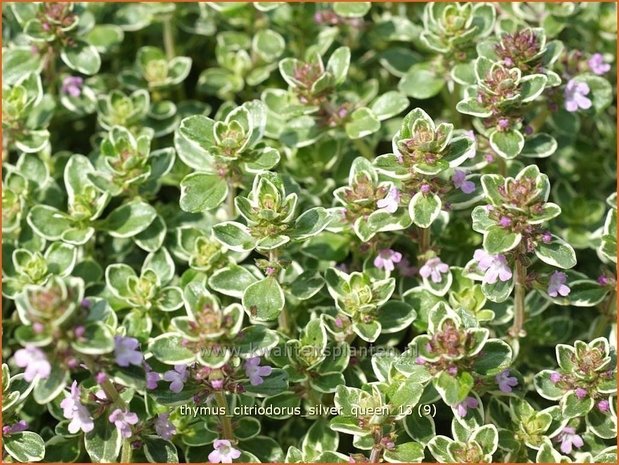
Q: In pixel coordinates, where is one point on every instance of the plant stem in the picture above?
(168, 38)
(424, 240)
(376, 453)
(110, 391)
(502, 166)
(125, 455)
(606, 317)
(224, 419)
(363, 149)
(520, 275)
(230, 208)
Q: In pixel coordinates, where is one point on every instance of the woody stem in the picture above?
(363, 148)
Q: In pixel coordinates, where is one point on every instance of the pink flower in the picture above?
(76, 412)
(505, 221)
(494, 266)
(576, 96)
(72, 85)
(462, 407)
(391, 201)
(176, 377)
(557, 286)
(386, 259)
(35, 362)
(255, 372)
(555, 377)
(506, 382)
(569, 439)
(223, 452)
(603, 406)
(580, 393)
(597, 64)
(459, 180)
(18, 427)
(405, 268)
(434, 267)
(163, 427)
(123, 421)
(217, 384)
(125, 351)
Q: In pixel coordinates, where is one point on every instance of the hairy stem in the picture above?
(108, 387)
(224, 419)
(520, 275)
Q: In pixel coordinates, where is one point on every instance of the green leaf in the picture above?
(572, 406)
(235, 236)
(268, 44)
(129, 219)
(362, 123)
(408, 452)
(81, 57)
(454, 389)
(556, 253)
(311, 222)
(507, 144)
(232, 280)
(388, 105)
(158, 450)
(264, 300)
(499, 240)
(338, 64)
(539, 145)
(169, 349)
(25, 446)
(103, 442)
(351, 9)
(18, 62)
(48, 222)
(202, 191)
(471, 106)
(421, 82)
(532, 86)
(424, 209)
(98, 339)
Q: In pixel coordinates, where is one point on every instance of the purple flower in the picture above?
(568, 439)
(603, 406)
(72, 85)
(503, 124)
(425, 188)
(557, 286)
(386, 259)
(35, 362)
(463, 407)
(494, 266)
(506, 382)
(125, 351)
(152, 378)
(223, 452)
(580, 393)
(391, 201)
(176, 377)
(505, 221)
(255, 372)
(123, 421)
(555, 377)
(73, 410)
(597, 64)
(575, 96)
(18, 427)
(217, 384)
(459, 180)
(163, 427)
(546, 238)
(433, 268)
(420, 361)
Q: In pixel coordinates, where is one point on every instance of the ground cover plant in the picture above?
(318, 232)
